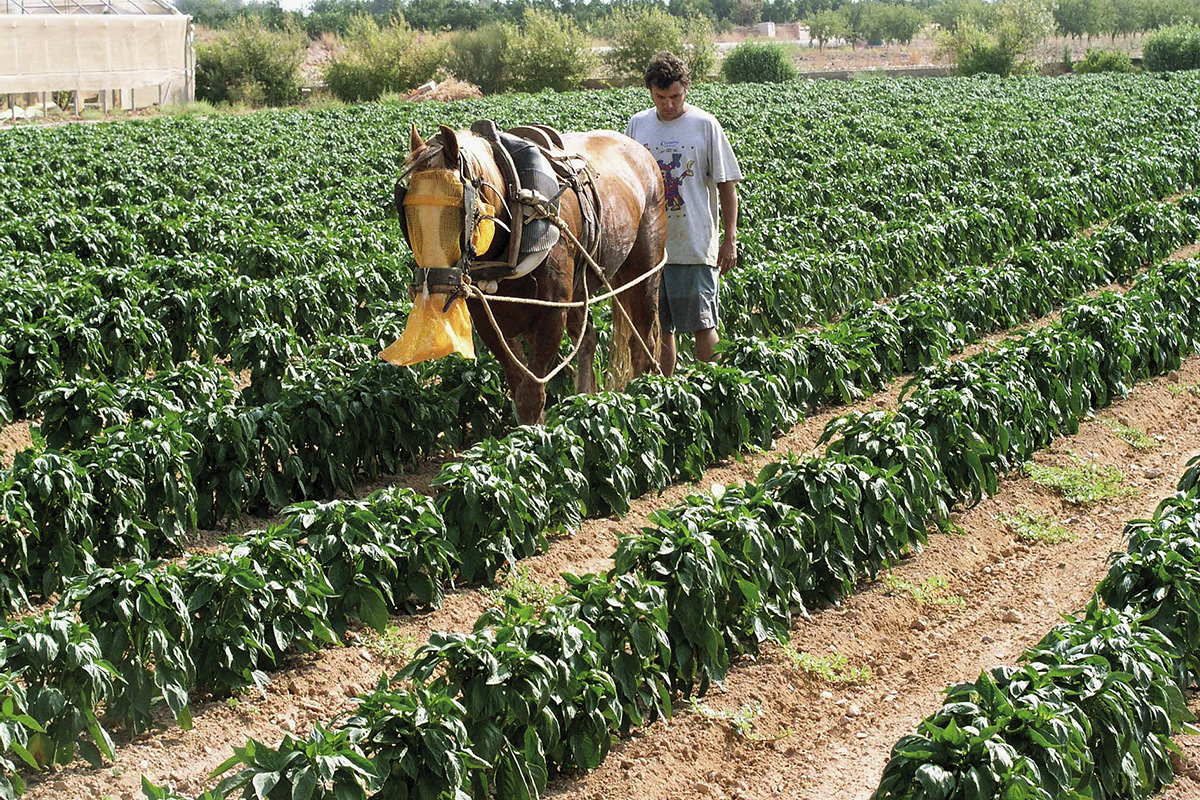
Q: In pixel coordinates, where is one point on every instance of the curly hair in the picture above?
(665, 69)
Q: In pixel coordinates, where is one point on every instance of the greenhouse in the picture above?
(105, 53)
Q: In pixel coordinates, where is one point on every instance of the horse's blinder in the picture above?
(477, 235)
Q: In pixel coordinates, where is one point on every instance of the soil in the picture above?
(800, 736)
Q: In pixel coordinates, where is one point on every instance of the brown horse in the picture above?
(526, 338)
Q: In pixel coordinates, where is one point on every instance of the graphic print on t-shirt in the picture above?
(673, 180)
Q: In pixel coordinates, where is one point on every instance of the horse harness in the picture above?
(536, 171)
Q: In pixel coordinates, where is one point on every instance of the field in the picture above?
(959, 357)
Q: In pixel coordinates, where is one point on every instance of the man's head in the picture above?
(668, 79)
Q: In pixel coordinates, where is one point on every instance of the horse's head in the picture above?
(448, 208)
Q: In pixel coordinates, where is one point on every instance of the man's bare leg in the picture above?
(666, 354)
(706, 344)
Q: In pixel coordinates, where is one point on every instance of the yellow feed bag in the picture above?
(432, 333)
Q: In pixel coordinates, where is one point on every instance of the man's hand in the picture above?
(727, 255)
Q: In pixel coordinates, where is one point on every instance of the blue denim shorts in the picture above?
(687, 297)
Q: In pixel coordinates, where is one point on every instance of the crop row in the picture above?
(529, 692)
(1091, 709)
(821, 523)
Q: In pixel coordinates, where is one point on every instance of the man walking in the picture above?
(700, 172)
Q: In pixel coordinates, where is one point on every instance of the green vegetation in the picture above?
(933, 591)
(520, 587)
(640, 32)
(267, 248)
(392, 644)
(834, 668)
(1173, 48)
(378, 59)
(1104, 61)
(1035, 527)
(1081, 484)
(752, 62)
(1134, 437)
(249, 64)
(741, 721)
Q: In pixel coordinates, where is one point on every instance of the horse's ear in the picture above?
(449, 146)
(415, 142)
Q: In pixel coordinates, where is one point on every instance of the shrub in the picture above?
(1173, 48)
(1104, 61)
(378, 60)
(250, 64)
(550, 52)
(754, 62)
(639, 33)
(479, 56)
(976, 51)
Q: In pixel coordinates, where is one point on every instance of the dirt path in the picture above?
(802, 737)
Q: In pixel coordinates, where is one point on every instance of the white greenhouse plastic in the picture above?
(132, 53)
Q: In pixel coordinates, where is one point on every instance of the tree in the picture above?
(639, 33)
(1077, 18)
(826, 25)
(901, 23)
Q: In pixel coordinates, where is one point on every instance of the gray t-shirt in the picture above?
(694, 155)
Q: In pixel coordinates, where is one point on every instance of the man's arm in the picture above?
(728, 199)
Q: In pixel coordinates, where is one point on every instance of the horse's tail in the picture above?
(620, 361)
(620, 354)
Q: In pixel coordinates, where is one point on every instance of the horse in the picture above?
(609, 201)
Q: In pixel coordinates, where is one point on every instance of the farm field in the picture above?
(149, 266)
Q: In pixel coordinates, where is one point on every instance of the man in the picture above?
(700, 171)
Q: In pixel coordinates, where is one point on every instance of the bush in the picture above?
(639, 33)
(1104, 61)
(378, 60)
(480, 56)
(1173, 48)
(250, 64)
(976, 51)
(754, 62)
(550, 52)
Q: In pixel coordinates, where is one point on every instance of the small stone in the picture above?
(904, 655)
(287, 724)
(60, 786)
(1173, 376)
(841, 703)
(702, 788)
(853, 711)
(1152, 472)
(365, 655)
(987, 570)
(919, 624)
(292, 687)
(860, 735)
(933, 656)
(826, 695)
(1013, 617)
(626, 763)
(985, 639)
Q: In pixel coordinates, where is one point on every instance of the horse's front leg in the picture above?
(544, 340)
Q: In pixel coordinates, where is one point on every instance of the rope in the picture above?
(473, 291)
